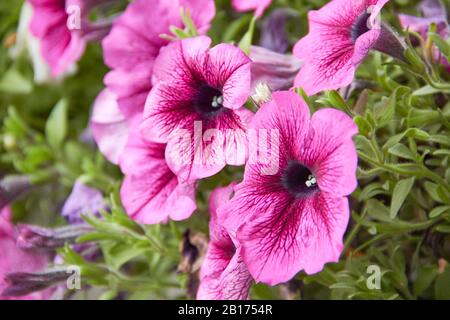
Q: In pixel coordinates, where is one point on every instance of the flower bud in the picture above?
(12, 187)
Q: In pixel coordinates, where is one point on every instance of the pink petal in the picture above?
(281, 239)
(230, 67)
(246, 5)
(150, 192)
(331, 153)
(224, 275)
(109, 126)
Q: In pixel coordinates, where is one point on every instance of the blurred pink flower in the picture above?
(247, 5)
(199, 91)
(433, 12)
(62, 38)
(223, 275)
(14, 259)
(295, 219)
(151, 192)
(340, 36)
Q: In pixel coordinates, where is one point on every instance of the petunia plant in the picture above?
(224, 150)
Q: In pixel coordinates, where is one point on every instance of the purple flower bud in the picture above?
(12, 187)
(277, 70)
(273, 35)
(82, 200)
(20, 284)
(34, 237)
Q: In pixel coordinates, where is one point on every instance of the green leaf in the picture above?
(247, 39)
(442, 285)
(364, 126)
(56, 126)
(436, 212)
(443, 46)
(401, 190)
(433, 191)
(401, 151)
(337, 101)
(13, 82)
(191, 29)
(425, 91)
(425, 277)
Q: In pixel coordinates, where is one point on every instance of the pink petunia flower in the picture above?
(151, 192)
(295, 219)
(341, 34)
(134, 42)
(247, 5)
(197, 108)
(223, 275)
(131, 54)
(14, 259)
(63, 30)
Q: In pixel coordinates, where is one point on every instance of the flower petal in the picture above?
(330, 153)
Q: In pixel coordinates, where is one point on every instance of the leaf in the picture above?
(56, 126)
(247, 39)
(337, 101)
(442, 285)
(436, 212)
(425, 91)
(432, 190)
(401, 190)
(401, 151)
(364, 126)
(425, 277)
(13, 82)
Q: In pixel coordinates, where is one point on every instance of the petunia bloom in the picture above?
(223, 275)
(63, 29)
(196, 106)
(151, 192)
(247, 5)
(341, 34)
(295, 219)
(131, 54)
(15, 259)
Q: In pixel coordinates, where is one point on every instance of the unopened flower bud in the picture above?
(262, 94)
(24, 283)
(33, 237)
(12, 187)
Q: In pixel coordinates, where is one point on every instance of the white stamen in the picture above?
(311, 182)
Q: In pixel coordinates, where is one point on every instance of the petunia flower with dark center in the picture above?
(196, 106)
(341, 34)
(298, 180)
(131, 54)
(295, 218)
